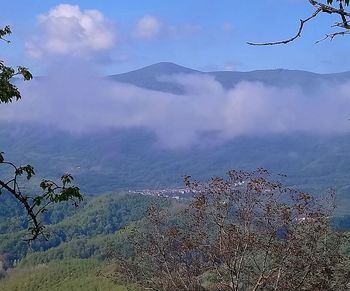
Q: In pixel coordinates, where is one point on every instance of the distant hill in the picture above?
(124, 159)
(148, 77)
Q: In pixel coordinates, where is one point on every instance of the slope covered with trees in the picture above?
(98, 216)
(110, 237)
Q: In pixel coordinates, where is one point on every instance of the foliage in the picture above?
(9, 91)
(52, 192)
(36, 205)
(245, 232)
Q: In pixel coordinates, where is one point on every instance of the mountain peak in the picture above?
(148, 77)
(166, 68)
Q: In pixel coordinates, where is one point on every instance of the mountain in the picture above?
(123, 159)
(112, 160)
(148, 77)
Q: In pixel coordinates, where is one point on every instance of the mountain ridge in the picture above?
(175, 66)
(148, 77)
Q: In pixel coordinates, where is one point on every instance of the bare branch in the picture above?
(300, 30)
(320, 7)
(333, 35)
(329, 9)
(36, 205)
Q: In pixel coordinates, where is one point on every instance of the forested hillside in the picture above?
(73, 232)
(82, 241)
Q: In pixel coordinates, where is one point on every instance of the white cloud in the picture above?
(68, 30)
(151, 27)
(148, 27)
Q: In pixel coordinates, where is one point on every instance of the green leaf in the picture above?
(9, 92)
(28, 170)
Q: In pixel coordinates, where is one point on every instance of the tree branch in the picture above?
(300, 30)
(320, 7)
(333, 35)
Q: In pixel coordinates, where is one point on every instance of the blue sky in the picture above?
(201, 34)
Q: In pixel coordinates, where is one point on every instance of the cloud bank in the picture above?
(84, 103)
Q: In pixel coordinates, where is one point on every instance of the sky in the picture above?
(119, 36)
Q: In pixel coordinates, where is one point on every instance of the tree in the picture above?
(52, 192)
(335, 7)
(9, 91)
(245, 232)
